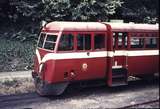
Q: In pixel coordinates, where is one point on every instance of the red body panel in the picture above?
(143, 65)
(96, 68)
(121, 60)
(138, 65)
(49, 73)
(54, 69)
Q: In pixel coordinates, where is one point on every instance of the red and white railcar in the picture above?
(77, 51)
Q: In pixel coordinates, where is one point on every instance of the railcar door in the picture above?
(119, 67)
(119, 48)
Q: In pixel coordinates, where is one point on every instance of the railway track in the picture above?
(140, 104)
(15, 100)
(33, 98)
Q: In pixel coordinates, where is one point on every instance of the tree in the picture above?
(145, 11)
(94, 10)
(56, 10)
(30, 10)
(68, 10)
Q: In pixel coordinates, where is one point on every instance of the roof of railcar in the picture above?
(75, 26)
(132, 27)
(98, 26)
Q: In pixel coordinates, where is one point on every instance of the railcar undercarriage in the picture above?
(44, 88)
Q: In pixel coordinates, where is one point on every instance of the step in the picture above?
(119, 84)
(92, 83)
(119, 72)
(119, 81)
(119, 76)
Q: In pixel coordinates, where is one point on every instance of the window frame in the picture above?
(50, 41)
(124, 36)
(105, 40)
(76, 43)
(150, 35)
(48, 33)
(145, 35)
(60, 40)
(137, 35)
(40, 38)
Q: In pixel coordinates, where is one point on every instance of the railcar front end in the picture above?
(68, 52)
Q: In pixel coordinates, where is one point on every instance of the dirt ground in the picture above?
(91, 98)
(16, 86)
(16, 82)
(87, 98)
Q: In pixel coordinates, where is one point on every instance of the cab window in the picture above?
(66, 42)
(50, 42)
(41, 40)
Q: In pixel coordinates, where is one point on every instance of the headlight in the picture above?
(41, 68)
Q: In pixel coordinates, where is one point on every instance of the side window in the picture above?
(50, 42)
(137, 42)
(41, 40)
(99, 41)
(66, 42)
(120, 39)
(151, 43)
(125, 39)
(83, 41)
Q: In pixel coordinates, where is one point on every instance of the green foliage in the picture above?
(16, 55)
(57, 10)
(94, 10)
(28, 9)
(68, 10)
(84, 10)
(79, 10)
(145, 11)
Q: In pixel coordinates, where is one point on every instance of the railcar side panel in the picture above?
(83, 69)
(120, 61)
(138, 65)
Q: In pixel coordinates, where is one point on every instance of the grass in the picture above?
(16, 86)
(16, 55)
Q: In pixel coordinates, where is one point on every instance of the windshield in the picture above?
(47, 41)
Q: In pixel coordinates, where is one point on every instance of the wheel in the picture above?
(44, 89)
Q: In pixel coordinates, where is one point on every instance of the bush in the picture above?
(16, 55)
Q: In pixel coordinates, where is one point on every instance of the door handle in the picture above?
(88, 53)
